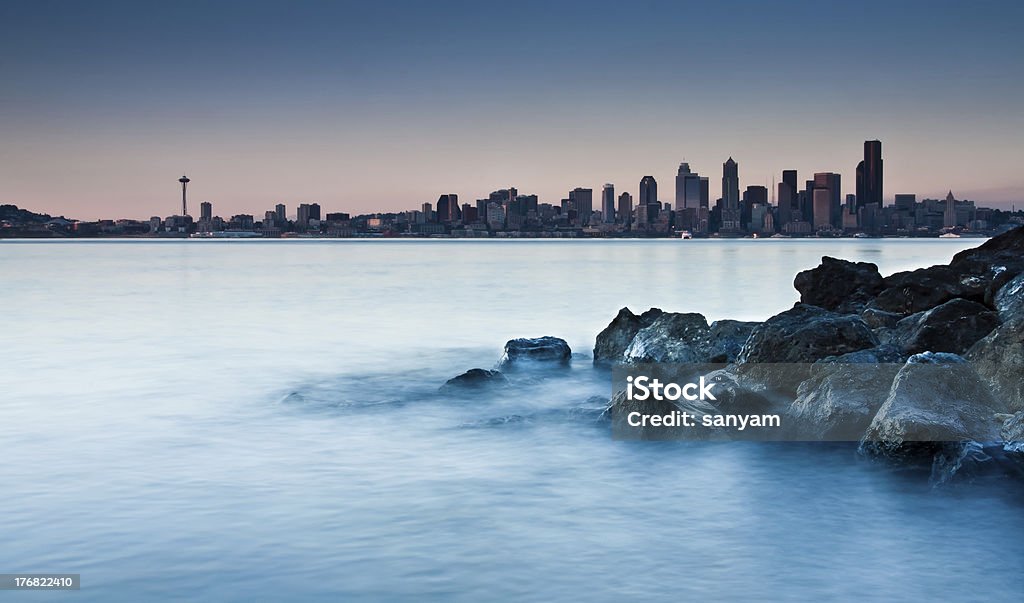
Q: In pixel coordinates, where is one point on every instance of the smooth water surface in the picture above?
(253, 420)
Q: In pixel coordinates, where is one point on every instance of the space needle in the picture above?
(184, 204)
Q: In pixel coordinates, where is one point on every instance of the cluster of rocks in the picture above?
(537, 353)
(952, 337)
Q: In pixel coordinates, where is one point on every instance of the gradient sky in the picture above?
(383, 106)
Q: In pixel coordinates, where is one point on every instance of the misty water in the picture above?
(253, 420)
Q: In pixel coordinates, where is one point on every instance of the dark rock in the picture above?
(672, 337)
(999, 359)
(951, 327)
(1012, 431)
(546, 350)
(725, 340)
(882, 354)
(616, 337)
(1008, 244)
(806, 334)
(839, 399)
(908, 293)
(935, 399)
(475, 379)
(1009, 300)
(839, 285)
(880, 319)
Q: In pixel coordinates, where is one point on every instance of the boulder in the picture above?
(839, 285)
(908, 293)
(1009, 300)
(1012, 432)
(936, 398)
(725, 340)
(882, 354)
(672, 337)
(476, 378)
(951, 327)
(549, 351)
(880, 319)
(805, 334)
(840, 399)
(999, 359)
(616, 337)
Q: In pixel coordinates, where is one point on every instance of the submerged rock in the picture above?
(615, 338)
(951, 327)
(839, 285)
(549, 351)
(935, 399)
(475, 379)
(805, 334)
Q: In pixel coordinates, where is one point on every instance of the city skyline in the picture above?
(366, 108)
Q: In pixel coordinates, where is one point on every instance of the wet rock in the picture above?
(725, 340)
(936, 398)
(615, 338)
(805, 334)
(672, 337)
(880, 319)
(882, 354)
(951, 327)
(1009, 300)
(1012, 431)
(999, 359)
(907, 293)
(548, 351)
(839, 285)
(840, 398)
(476, 378)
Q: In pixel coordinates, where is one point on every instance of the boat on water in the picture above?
(686, 234)
(949, 235)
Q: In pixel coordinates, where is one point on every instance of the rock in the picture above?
(839, 400)
(951, 327)
(839, 285)
(1009, 300)
(725, 340)
(936, 398)
(882, 354)
(475, 379)
(1012, 431)
(880, 319)
(546, 350)
(999, 359)
(805, 334)
(616, 337)
(672, 337)
(908, 293)
(1008, 244)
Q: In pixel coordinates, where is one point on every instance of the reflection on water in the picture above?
(248, 420)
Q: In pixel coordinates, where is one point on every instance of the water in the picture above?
(236, 420)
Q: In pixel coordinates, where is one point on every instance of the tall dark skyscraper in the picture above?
(833, 184)
(787, 198)
(869, 177)
(608, 203)
(648, 191)
(206, 211)
(730, 185)
(583, 201)
(626, 208)
(448, 208)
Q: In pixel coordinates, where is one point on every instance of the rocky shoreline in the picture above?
(952, 336)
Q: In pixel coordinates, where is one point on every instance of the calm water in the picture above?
(260, 419)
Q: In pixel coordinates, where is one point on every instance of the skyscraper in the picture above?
(872, 174)
(730, 185)
(448, 208)
(731, 223)
(626, 208)
(648, 206)
(688, 188)
(282, 212)
(949, 215)
(206, 211)
(583, 201)
(608, 203)
(788, 211)
(833, 184)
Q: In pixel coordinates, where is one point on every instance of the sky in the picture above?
(383, 106)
